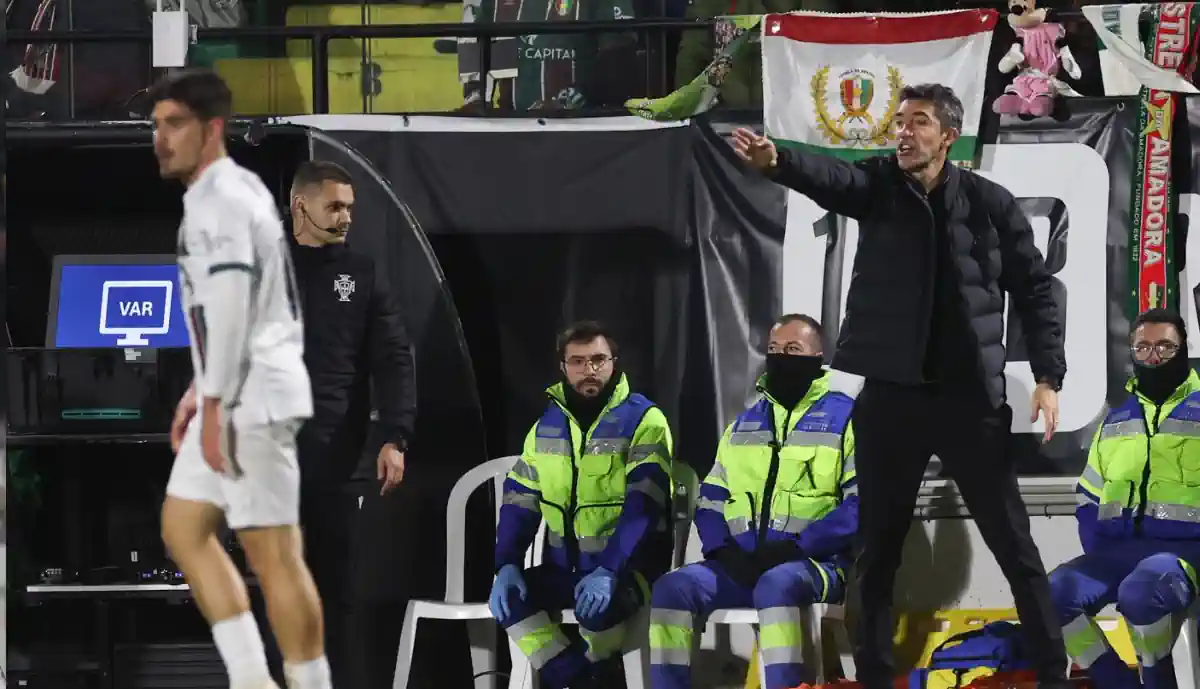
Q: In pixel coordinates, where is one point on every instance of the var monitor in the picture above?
(99, 301)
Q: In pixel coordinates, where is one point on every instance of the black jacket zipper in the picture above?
(764, 519)
(927, 298)
(1144, 488)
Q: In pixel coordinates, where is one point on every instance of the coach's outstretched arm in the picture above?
(836, 186)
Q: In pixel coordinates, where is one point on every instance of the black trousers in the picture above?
(897, 428)
(328, 522)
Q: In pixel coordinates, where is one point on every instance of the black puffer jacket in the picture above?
(888, 309)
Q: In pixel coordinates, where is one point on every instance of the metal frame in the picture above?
(319, 36)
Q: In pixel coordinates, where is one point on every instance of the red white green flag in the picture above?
(831, 83)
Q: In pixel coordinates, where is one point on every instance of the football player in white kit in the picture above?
(234, 430)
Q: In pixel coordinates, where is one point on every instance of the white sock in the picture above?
(241, 649)
(311, 674)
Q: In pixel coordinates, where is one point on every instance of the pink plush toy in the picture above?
(1033, 91)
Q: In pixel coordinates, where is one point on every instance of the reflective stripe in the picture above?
(751, 438)
(792, 525)
(738, 525)
(1179, 513)
(526, 501)
(673, 618)
(1092, 478)
(780, 635)
(852, 490)
(587, 544)
(783, 655)
(717, 506)
(749, 425)
(1110, 510)
(1180, 427)
(780, 615)
(525, 470)
(1084, 640)
(604, 643)
(799, 438)
(538, 638)
(1153, 641)
(670, 656)
(1085, 499)
(606, 446)
(650, 489)
(1123, 429)
(638, 453)
(671, 633)
(552, 446)
(848, 464)
(719, 473)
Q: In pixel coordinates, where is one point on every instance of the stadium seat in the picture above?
(453, 607)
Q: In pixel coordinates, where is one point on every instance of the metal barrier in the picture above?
(319, 37)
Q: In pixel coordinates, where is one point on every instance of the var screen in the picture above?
(115, 301)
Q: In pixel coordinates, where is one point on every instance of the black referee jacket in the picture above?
(356, 348)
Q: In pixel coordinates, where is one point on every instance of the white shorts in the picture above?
(267, 491)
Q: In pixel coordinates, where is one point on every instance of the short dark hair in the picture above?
(1161, 315)
(202, 91)
(805, 319)
(582, 332)
(317, 172)
(946, 104)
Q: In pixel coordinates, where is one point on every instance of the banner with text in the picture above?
(832, 82)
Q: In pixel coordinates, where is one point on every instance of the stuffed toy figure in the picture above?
(1039, 55)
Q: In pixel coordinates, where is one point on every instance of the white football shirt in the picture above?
(240, 298)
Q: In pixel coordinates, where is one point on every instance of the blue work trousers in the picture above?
(683, 599)
(558, 659)
(1150, 582)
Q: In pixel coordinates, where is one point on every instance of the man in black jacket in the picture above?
(356, 349)
(939, 247)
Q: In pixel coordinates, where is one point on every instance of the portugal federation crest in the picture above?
(344, 286)
(857, 124)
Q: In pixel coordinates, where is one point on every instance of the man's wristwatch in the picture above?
(1053, 383)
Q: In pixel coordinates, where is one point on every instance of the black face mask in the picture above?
(789, 376)
(1157, 383)
(585, 409)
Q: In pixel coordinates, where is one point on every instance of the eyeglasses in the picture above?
(594, 362)
(791, 348)
(1164, 350)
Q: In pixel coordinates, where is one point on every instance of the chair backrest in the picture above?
(687, 492)
(456, 517)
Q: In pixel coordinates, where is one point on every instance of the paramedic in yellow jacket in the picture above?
(1139, 515)
(776, 516)
(596, 469)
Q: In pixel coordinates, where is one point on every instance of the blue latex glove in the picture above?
(508, 578)
(594, 592)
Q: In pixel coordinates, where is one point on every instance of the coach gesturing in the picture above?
(939, 247)
(354, 341)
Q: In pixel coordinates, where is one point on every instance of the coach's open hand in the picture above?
(1045, 400)
(185, 411)
(210, 435)
(758, 151)
(389, 467)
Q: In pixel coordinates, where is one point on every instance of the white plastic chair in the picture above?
(813, 615)
(481, 628)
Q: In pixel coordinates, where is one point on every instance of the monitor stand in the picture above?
(133, 339)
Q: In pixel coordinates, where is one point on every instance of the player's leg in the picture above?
(191, 515)
(264, 509)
